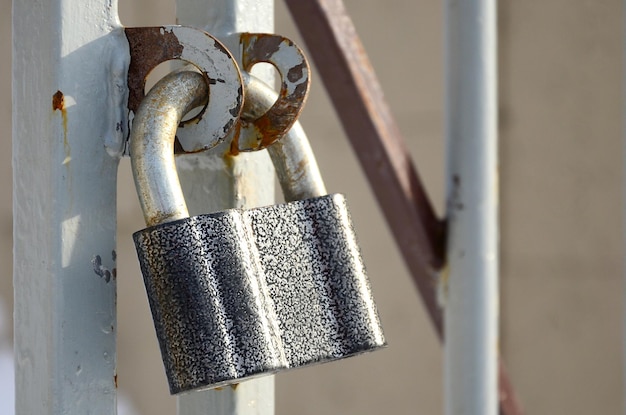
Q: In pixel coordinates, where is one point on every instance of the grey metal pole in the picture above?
(69, 78)
(471, 310)
(219, 180)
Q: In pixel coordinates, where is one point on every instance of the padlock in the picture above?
(242, 293)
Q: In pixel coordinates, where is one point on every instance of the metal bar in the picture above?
(624, 198)
(471, 312)
(69, 79)
(218, 180)
(346, 72)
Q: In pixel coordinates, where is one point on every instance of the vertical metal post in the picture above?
(218, 181)
(68, 95)
(471, 314)
(624, 203)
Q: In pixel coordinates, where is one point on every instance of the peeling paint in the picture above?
(102, 271)
(265, 128)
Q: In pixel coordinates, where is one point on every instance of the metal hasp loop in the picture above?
(293, 68)
(150, 46)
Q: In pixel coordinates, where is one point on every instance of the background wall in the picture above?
(560, 65)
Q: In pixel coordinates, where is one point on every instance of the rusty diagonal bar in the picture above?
(357, 97)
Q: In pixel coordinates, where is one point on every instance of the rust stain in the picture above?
(303, 165)
(156, 218)
(277, 121)
(234, 144)
(58, 104)
(259, 47)
(149, 46)
(58, 101)
(296, 73)
(234, 386)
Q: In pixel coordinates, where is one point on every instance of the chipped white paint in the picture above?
(211, 57)
(286, 57)
(64, 203)
(471, 313)
(214, 182)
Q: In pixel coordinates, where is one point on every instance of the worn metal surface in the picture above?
(152, 144)
(292, 156)
(294, 72)
(150, 46)
(358, 99)
(242, 293)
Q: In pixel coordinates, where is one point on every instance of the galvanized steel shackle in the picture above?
(292, 156)
(152, 144)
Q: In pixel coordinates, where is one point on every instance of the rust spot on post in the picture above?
(58, 101)
(58, 104)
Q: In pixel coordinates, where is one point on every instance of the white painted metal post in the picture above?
(218, 181)
(471, 314)
(68, 99)
(623, 90)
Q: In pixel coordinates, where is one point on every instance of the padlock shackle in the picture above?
(293, 158)
(152, 144)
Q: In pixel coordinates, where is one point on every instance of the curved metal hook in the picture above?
(152, 144)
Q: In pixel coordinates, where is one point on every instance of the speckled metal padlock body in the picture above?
(241, 293)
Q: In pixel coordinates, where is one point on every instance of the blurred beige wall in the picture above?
(561, 182)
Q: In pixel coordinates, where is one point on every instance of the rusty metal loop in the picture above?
(152, 144)
(292, 65)
(150, 46)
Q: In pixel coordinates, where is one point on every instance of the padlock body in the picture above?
(212, 313)
(241, 293)
(317, 280)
